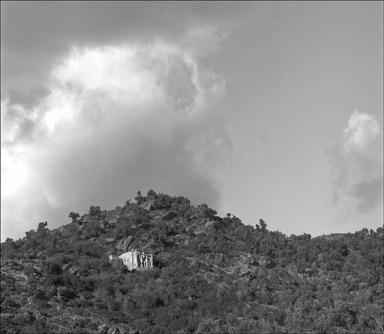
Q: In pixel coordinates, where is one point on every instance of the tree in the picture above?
(151, 194)
(74, 216)
(94, 211)
(42, 226)
(139, 198)
(344, 250)
(42, 229)
(205, 211)
(263, 225)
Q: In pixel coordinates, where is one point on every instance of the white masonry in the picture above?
(137, 260)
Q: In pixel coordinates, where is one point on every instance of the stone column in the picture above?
(136, 257)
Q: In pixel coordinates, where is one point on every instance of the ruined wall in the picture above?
(137, 260)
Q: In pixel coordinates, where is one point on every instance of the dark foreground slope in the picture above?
(211, 274)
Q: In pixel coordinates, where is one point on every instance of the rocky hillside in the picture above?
(211, 274)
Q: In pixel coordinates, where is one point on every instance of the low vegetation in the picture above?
(212, 275)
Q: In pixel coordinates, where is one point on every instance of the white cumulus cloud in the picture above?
(361, 132)
(358, 165)
(116, 118)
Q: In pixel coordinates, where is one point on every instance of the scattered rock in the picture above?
(123, 244)
(74, 270)
(102, 329)
(109, 240)
(169, 215)
(113, 330)
(267, 262)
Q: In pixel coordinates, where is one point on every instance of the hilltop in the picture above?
(211, 274)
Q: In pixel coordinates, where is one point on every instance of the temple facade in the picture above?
(137, 260)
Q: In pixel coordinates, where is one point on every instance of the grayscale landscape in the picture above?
(192, 167)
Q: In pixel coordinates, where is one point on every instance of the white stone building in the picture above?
(136, 260)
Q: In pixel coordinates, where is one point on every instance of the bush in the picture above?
(94, 211)
(53, 268)
(205, 212)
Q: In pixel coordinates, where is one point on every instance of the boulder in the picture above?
(267, 262)
(102, 329)
(208, 225)
(123, 244)
(126, 329)
(249, 259)
(113, 330)
(65, 266)
(109, 240)
(73, 270)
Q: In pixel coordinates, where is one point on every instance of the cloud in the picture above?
(204, 39)
(116, 118)
(361, 132)
(368, 193)
(357, 166)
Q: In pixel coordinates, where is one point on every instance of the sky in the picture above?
(269, 110)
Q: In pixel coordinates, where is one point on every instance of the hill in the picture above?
(211, 274)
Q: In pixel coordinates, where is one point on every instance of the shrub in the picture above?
(74, 216)
(94, 211)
